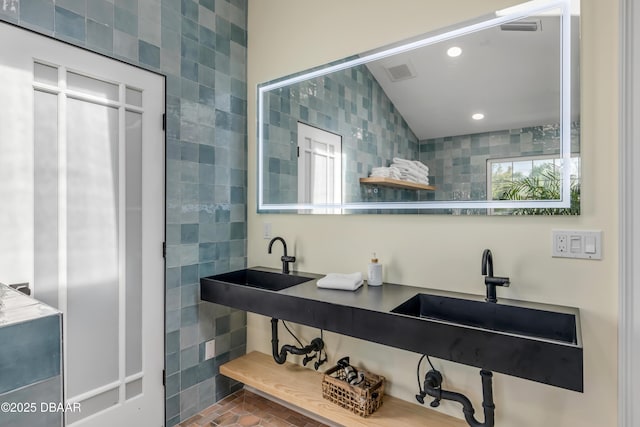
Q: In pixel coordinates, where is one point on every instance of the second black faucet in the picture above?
(490, 280)
(286, 259)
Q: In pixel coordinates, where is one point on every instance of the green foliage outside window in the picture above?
(544, 183)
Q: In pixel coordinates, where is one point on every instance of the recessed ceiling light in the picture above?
(478, 116)
(454, 51)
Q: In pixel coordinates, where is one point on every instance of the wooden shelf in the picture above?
(395, 183)
(302, 387)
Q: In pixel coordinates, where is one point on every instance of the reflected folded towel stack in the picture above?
(411, 170)
(383, 172)
(346, 282)
(404, 170)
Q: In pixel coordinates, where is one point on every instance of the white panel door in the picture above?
(319, 167)
(82, 218)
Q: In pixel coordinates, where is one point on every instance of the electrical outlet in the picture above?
(266, 230)
(561, 243)
(209, 349)
(585, 244)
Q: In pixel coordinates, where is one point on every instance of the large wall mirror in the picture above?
(480, 118)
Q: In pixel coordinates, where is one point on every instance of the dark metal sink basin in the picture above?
(260, 279)
(509, 319)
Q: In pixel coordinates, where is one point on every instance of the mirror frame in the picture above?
(492, 20)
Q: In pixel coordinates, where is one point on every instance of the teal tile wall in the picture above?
(350, 103)
(458, 164)
(200, 46)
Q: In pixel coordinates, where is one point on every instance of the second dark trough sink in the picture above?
(498, 317)
(260, 279)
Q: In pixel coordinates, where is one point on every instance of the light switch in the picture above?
(575, 244)
(586, 244)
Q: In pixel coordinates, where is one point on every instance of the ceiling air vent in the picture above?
(522, 26)
(400, 72)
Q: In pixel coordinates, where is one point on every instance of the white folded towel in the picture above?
(412, 164)
(386, 172)
(346, 282)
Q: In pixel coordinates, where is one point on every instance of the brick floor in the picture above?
(245, 409)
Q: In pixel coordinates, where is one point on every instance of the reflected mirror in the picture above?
(480, 118)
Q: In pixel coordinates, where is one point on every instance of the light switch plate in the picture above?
(583, 244)
(209, 349)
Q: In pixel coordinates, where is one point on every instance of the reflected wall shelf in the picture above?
(395, 183)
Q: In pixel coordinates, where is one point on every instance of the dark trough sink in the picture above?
(260, 279)
(498, 317)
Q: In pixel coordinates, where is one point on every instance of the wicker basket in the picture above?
(362, 399)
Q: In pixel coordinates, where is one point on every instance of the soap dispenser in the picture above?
(375, 272)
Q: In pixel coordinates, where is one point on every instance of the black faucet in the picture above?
(285, 258)
(490, 281)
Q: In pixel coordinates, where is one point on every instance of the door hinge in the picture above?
(298, 151)
(164, 249)
(164, 122)
(164, 377)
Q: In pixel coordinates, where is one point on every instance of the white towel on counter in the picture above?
(346, 282)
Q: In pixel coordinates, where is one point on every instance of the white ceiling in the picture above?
(512, 77)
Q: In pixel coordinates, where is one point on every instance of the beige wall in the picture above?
(287, 36)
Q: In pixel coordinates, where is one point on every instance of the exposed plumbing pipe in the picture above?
(432, 387)
(281, 356)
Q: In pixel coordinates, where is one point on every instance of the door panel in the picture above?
(81, 171)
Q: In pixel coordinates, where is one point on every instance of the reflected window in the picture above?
(532, 178)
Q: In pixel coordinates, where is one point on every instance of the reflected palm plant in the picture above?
(544, 183)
